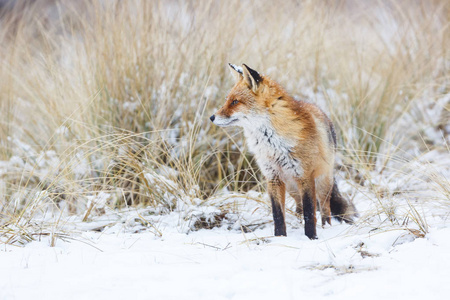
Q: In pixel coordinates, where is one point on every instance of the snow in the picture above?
(347, 262)
(160, 253)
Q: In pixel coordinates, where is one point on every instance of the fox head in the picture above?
(251, 96)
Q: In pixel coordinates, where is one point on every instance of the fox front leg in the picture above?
(277, 193)
(307, 186)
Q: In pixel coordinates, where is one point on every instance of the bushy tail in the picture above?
(341, 208)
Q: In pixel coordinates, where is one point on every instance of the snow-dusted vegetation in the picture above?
(114, 183)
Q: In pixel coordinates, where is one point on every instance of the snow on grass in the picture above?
(148, 253)
(221, 264)
(223, 247)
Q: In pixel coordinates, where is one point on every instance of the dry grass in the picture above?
(96, 96)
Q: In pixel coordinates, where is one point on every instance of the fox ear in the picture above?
(236, 71)
(251, 77)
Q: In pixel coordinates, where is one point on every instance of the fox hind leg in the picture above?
(324, 188)
(296, 194)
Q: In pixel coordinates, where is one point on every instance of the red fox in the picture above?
(294, 144)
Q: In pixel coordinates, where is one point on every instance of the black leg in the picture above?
(278, 218)
(309, 214)
(277, 191)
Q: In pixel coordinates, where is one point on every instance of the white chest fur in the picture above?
(273, 152)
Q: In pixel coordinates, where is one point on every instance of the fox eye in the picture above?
(234, 102)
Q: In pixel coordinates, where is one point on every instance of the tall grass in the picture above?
(95, 95)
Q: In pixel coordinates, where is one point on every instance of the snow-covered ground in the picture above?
(223, 247)
(347, 262)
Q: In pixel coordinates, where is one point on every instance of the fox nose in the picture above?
(212, 118)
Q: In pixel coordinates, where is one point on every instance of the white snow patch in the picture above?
(222, 264)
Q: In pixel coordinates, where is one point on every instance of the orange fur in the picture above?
(293, 142)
